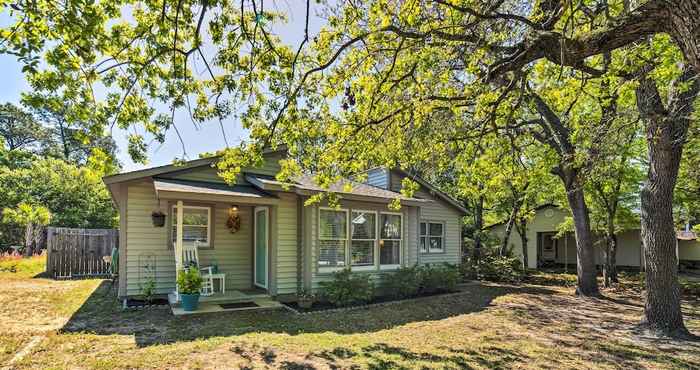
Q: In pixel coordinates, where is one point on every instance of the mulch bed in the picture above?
(321, 306)
(142, 303)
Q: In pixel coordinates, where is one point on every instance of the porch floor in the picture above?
(230, 296)
(213, 302)
(211, 307)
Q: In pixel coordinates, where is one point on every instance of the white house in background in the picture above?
(544, 248)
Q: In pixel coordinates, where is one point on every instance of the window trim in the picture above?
(375, 256)
(210, 224)
(428, 236)
(326, 269)
(401, 242)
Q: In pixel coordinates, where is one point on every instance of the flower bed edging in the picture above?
(372, 305)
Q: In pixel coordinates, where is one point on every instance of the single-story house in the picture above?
(261, 235)
(545, 248)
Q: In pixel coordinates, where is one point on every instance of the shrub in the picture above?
(404, 282)
(189, 281)
(500, 268)
(347, 288)
(439, 278)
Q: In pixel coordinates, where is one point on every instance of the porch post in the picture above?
(178, 239)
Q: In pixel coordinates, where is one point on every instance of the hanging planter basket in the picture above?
(158, 218)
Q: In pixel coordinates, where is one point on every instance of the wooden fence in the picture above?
(76, 253)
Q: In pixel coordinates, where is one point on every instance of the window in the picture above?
(332, 235)
(432, 237)
(363, 233)
(390, 243)
(196, 223)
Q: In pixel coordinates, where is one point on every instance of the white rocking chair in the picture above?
(190, 257)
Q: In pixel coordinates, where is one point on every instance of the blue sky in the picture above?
(205, 139)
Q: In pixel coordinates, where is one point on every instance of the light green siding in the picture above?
(437, 211)
(145, 243)
(286, 252)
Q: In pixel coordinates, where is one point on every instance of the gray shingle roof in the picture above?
(187, 186)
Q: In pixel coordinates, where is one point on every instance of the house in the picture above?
(545, 248)
(262, 236)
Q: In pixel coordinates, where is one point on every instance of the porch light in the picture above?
(234, 208)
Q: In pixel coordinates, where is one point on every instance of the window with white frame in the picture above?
(332, 235)
(391, 231)
(432, 237)
(363, 234)
(196, 225)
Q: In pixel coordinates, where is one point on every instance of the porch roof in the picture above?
(201, 190)
(358, 191)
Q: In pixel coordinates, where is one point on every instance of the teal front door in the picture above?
(261, 246)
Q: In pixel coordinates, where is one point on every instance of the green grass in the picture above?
(487, 326)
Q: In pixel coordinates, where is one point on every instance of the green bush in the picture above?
(348, 289)
(403, 283)
(500, 268)
(439, 278)
(189, 281)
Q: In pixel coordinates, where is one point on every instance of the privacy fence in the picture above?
(77, 253)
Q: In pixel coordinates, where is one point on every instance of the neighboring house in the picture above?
(281, 245)
(544, 248)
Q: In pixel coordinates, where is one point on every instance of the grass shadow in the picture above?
(101, 314)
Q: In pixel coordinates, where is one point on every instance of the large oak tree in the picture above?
(430, 75)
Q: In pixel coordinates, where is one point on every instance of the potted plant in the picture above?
(305, 299)
(158, 218)
(189, 282)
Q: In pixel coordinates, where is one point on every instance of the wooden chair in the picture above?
(190, 257)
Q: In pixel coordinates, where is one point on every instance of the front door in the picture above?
(549, 247)
(261, 246)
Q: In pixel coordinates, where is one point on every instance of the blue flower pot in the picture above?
(189, 302)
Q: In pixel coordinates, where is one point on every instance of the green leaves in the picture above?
(26, 214)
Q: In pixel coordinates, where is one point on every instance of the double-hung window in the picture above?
(432, 237)
(363, 234)
(391, 232)
(333, 238)
(196, 225)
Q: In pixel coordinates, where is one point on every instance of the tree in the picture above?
(392, 66)
(67, 139)
(615, 194)
(666, 129)
(74, 196)
(31, 218)
(19, 129)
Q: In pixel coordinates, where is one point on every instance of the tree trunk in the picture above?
(585, 256)
(666, 129)
(478, 227)
(29, 240)
(613, 258)
(522, 230)
(509, 230)
(662, 308)
(683, 27)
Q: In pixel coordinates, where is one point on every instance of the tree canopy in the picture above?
(455, 84)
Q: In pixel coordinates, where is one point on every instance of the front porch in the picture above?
(225, 232)
(233, 300)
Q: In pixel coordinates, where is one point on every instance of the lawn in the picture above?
(80, 325)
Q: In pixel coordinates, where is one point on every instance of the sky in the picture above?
(206, 138)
